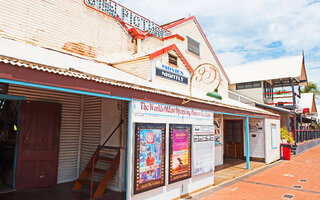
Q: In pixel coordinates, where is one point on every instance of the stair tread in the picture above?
(88, 181)
(98, 170)
(105, 158)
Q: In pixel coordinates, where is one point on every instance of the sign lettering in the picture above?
(131, 18)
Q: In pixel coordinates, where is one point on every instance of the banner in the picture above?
(203, 149)
(180, 152)
(149, 156)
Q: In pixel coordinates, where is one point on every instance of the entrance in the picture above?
(233, 134)
(29, 139)
(38, 150)
(8, 139)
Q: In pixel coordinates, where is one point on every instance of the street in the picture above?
(295, 179)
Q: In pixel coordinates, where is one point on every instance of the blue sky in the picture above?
(248, 30)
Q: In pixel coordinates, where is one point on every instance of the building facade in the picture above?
(73, 71)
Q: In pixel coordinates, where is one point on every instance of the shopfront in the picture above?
(179, 140)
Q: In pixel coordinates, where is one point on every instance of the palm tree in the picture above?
(311, 88)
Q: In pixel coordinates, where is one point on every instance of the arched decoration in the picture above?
(205, 73)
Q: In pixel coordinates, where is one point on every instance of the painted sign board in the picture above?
(131, 18)
(171, 76)
(145, 108)
(203, 157)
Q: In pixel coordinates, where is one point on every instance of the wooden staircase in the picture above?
(84, 178)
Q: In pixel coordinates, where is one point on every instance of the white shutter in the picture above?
(70, 125)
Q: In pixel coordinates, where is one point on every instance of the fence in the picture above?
(305, 135)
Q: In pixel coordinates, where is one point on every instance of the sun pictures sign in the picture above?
(129, 17)
(149, 157)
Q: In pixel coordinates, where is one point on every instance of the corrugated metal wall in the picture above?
(91, 136)
(70, 131)
(70, 124)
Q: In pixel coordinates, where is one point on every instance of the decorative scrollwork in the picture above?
(205, 73)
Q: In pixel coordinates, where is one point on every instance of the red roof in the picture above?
(169, 48)
(176, 23)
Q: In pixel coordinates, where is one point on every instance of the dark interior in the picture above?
(8, 137)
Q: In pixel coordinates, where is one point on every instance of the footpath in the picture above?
(297, 179)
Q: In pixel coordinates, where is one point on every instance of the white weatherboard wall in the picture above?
(256, 138)
(272, 154)
(169, 191)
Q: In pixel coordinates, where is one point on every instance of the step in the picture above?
(97, 170)
(88, 182)
(110, 147)
(104, 158)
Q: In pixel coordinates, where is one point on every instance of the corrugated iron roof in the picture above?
(286, 67)
(37, 58)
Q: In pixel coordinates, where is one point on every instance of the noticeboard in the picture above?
(203, 149)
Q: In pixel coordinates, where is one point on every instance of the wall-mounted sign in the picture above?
(149, 157)
(217, 129)
(171, 73)
(171, 76)
(203, 149)
(256, 125)
(141, 108)
(131, 18)
(180, 152)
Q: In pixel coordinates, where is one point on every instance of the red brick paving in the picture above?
(274, 182)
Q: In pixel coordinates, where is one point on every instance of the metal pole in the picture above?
(288, 122)
(301, 127)
(80, 135)
(294, 111)
(247, 144)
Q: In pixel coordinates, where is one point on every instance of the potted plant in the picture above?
(286, 136)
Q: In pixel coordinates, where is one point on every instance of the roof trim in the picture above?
(303, 72)
(271, 108)
(169, 48)
(173, 36)
(179, 22)
(40, 75)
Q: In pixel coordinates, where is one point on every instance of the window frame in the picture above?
(172, 57)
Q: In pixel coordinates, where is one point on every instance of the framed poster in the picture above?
(217, 129)
(149, 156)
(203, 150)
(180, 152)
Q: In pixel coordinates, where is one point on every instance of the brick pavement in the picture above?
(302, 172)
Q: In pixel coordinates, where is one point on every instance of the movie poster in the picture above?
(149, 157)
(180, 152)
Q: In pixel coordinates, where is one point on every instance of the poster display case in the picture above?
(149, 156)
(180, 152)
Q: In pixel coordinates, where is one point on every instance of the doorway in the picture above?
(9, 110)
(233, 134)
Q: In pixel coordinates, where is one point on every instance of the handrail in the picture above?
(105, 142)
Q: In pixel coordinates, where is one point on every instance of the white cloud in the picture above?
(231, 59)
(240, 31)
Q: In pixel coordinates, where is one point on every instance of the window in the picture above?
(274, 140)
(248, 85)
(173, 59)
(193, 46)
